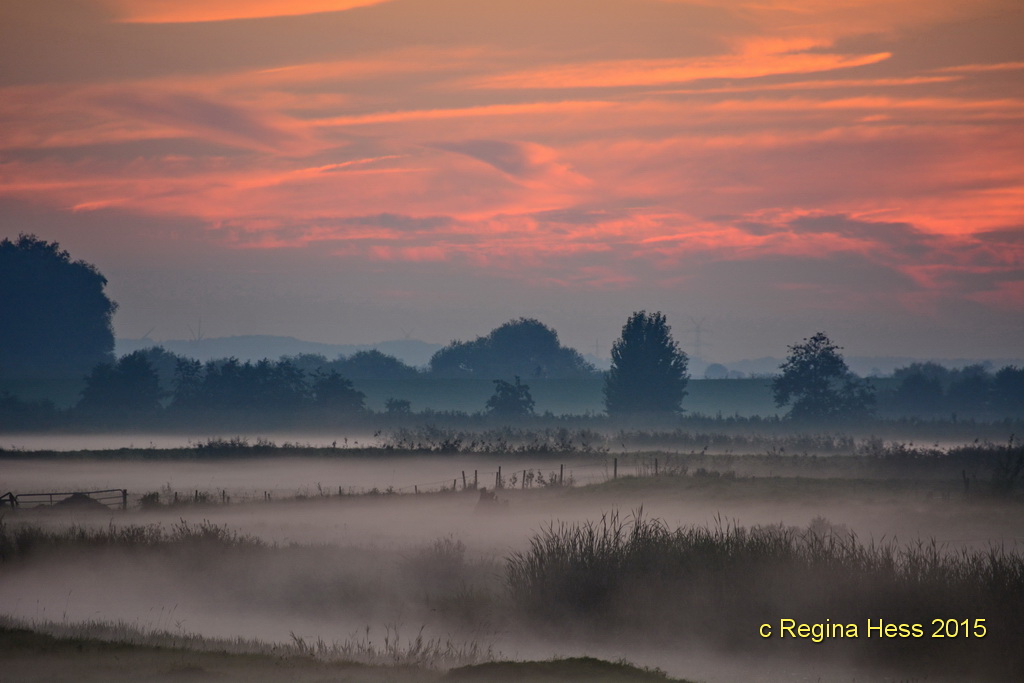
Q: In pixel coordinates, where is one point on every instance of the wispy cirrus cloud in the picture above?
(754, 59)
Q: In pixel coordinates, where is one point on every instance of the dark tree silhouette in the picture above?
(1008, 389)
(970, 389)
(510, 400)
(918, 393)
(334, 392)
(398, 406)
(55, 319)
(648, 373)
(373, 364)
(817, 382)
(228, 384)
(129, 386)
(524, 347)
(165, 363)
(188, 384)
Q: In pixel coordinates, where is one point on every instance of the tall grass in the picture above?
(22, 540)
(639, 577)
(363, 647)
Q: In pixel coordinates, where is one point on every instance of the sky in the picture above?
(352, 171)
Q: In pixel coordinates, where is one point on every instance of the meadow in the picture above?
(673, 551)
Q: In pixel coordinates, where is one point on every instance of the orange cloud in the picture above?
(493, 110)
(752, 63)
(980, 68)
(182, 11)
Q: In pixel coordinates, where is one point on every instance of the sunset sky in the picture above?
(352, 171)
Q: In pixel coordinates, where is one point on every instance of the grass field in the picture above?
(675, 566)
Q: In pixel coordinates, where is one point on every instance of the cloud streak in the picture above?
(611, 146)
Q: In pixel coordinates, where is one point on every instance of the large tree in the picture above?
(55, 319)
(525, 347)
(648, 373)
(817, 383)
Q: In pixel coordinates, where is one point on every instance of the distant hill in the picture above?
(255, 347)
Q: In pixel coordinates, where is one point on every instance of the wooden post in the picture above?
(175, 497)
(339, 491)
(223, 495)
(195, 498)
(463, 480)
(124, 499)
(416, 489)
(561, 474)
(615, 469)
(475, 486)
(497, 478)
(455, 484)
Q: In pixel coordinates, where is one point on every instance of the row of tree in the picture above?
(648, 375)
(931, 389)
(56, 318)
(131, 385)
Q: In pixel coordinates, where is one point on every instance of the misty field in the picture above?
(437, 555)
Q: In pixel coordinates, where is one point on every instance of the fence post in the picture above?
(497, 478)
(523, 483)
(124, 499)
(615, 469)
(416, 489)
(561, 474)
(475, 484)
(463, 480)
(455, 484)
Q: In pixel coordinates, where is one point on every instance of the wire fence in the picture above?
(533, 476)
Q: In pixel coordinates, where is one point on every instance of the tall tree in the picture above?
(817, 383)
(648, 373)
(55, 319)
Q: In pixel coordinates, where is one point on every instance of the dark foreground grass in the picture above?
(557, 671)
(31, 655)
(717, 586)
(23, 540)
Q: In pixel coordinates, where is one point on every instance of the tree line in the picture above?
(648, 374)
